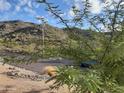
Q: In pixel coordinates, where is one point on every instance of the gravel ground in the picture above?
(10, 83)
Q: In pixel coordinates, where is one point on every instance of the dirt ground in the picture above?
(22, 85)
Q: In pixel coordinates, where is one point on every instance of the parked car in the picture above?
(87, 64)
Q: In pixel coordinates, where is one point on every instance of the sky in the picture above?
(28, 10)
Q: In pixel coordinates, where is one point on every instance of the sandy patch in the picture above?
(21, 85)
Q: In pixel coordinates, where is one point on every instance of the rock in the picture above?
(12, 73)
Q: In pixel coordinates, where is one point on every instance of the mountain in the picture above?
(23, 41)
(20, 37)
(22, 30)
(78, 31)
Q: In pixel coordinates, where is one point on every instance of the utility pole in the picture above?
(42, 21)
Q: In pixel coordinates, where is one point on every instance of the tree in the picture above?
(109, 54)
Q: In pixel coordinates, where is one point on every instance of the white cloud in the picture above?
(17, 8)
(30, 10)
(77, 5)
(29, 4)
(71, 13)
(25, 5)
(4, 5)
(109, 2)
(96, 6)
(23, 2)
(122, 3)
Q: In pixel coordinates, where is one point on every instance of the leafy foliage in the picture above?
(78, 81)
(107, 50)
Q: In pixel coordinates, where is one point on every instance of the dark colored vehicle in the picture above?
(87, 64)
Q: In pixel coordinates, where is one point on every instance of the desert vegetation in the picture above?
(102, 42)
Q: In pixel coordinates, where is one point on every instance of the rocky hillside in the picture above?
(20, 37)
(19, 30)
(24, 37)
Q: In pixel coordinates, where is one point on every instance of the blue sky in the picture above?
(28, 10)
